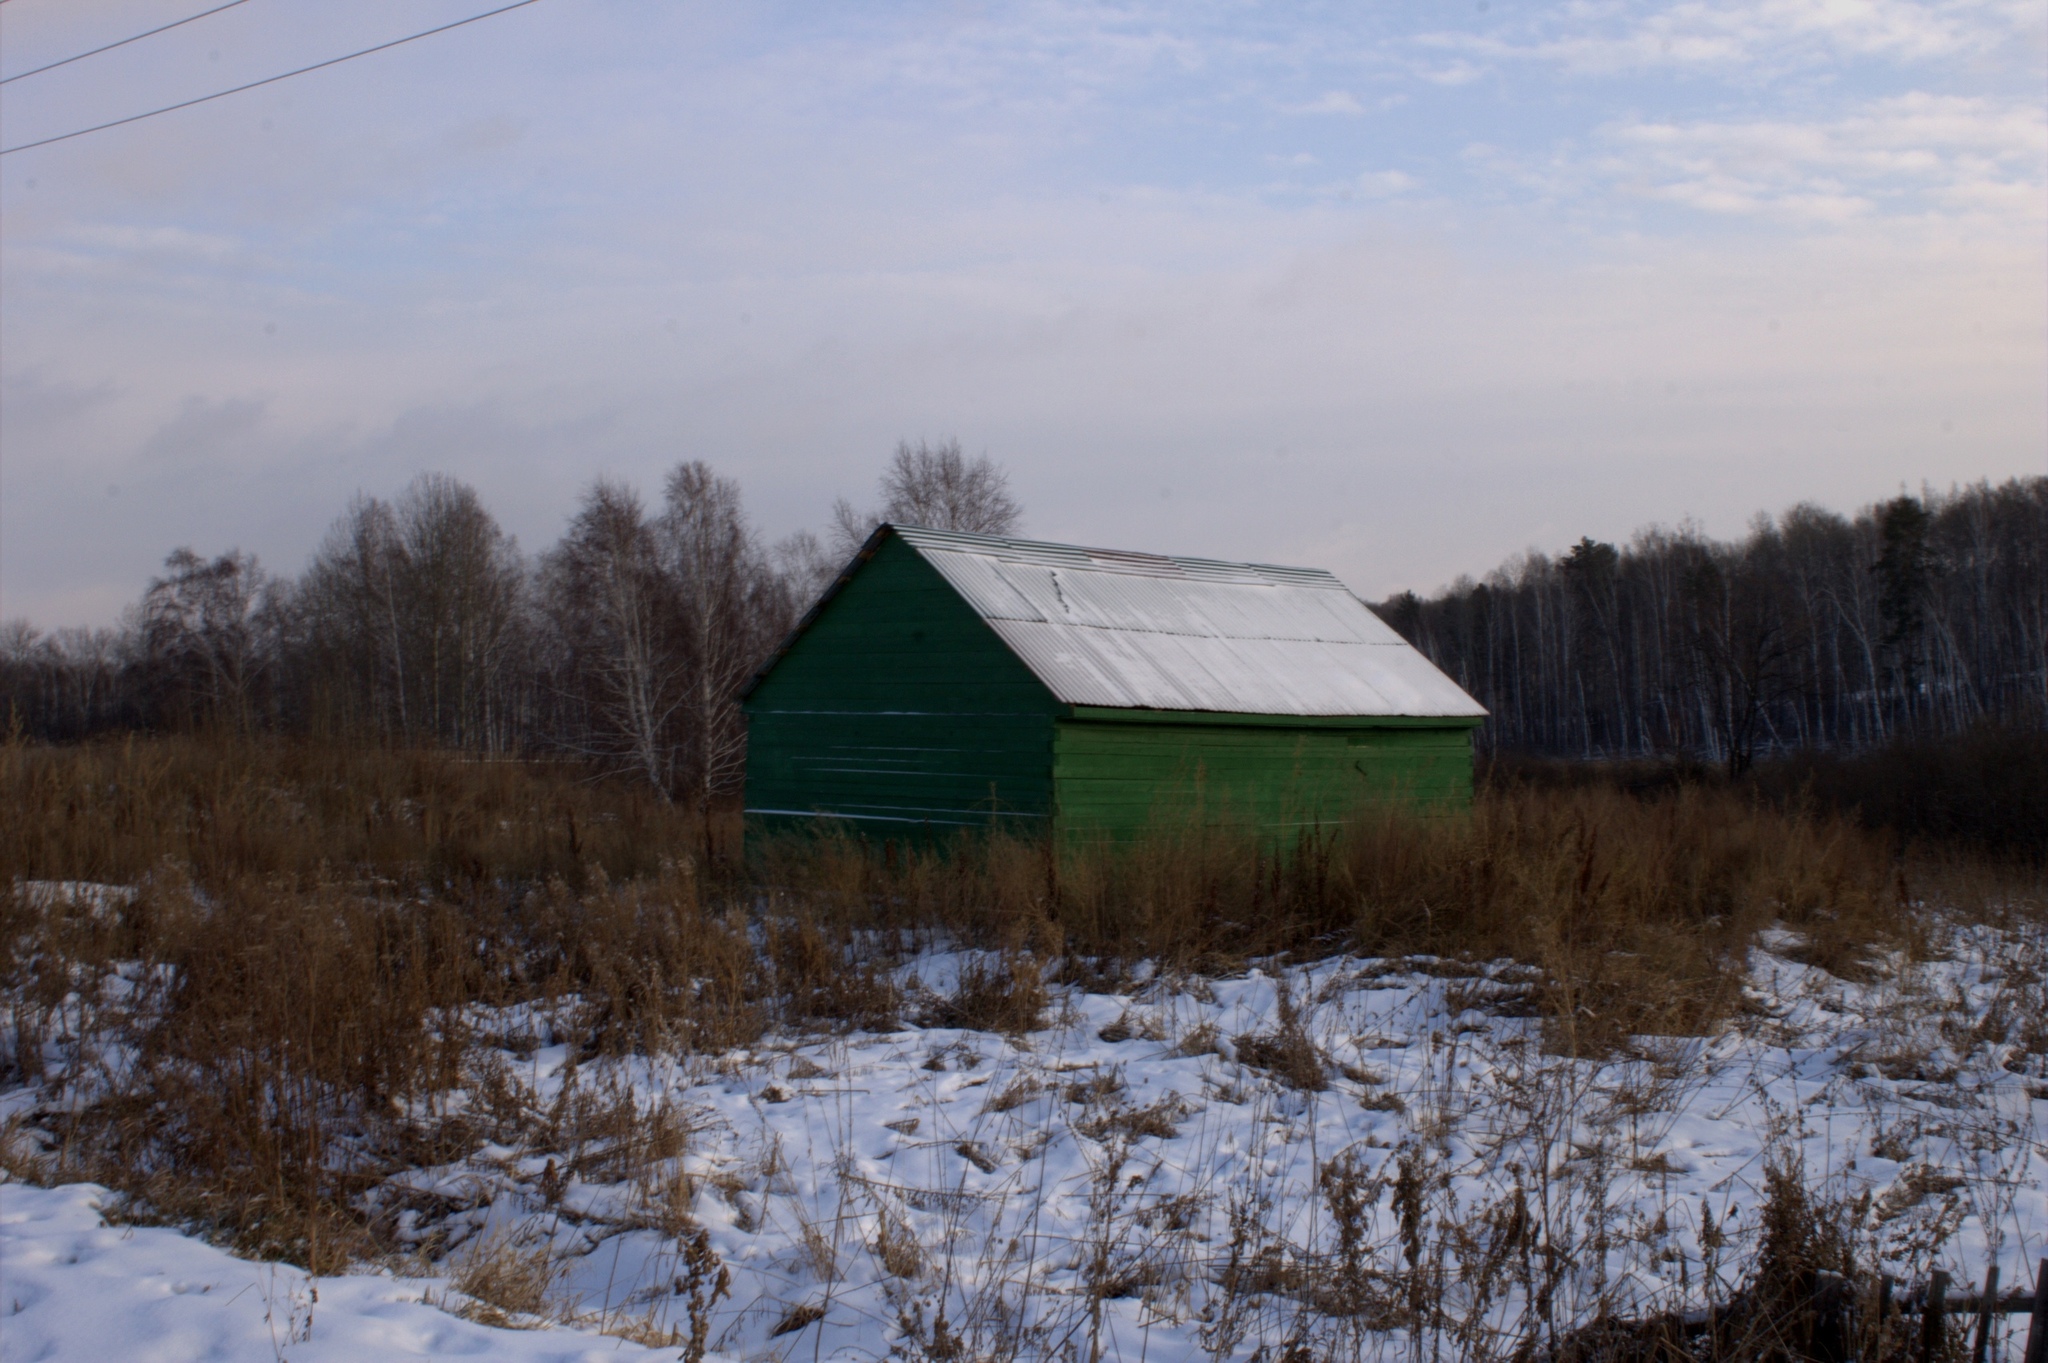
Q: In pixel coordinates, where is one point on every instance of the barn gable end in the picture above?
(895, 703)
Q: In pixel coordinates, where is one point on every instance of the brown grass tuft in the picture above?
(508, 1283)
(1287, 1052)
(1005, 994)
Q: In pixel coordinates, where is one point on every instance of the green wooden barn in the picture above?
(948, 681)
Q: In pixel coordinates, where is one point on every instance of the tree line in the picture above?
(420, 621)
(1918, 616)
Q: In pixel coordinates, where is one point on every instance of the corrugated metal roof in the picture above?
(1143, 631)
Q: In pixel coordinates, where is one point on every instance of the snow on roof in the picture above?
(1143, 631)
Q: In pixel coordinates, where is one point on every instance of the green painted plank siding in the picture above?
(899, 704)
(1122, 777)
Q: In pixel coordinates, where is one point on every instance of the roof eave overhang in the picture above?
(1135, 715)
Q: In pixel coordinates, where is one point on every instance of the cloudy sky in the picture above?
(1396, 289)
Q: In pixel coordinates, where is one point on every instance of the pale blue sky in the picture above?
(1396, 290)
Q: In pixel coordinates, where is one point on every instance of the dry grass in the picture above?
(1807, 1295)
(304, 813)
(271, 1022)
(312, 929)
(1635, 911)
(1287, 1052)
(1005, 994)
(508, 1283)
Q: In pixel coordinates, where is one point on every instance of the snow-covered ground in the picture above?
(1106, 1182)
(73, 1287)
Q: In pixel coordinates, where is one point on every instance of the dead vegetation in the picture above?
(1287, 1052)
(1634, 914)
(268, 1022)
(1005, 993)
(507, 1283)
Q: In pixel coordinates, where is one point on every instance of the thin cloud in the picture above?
(1583, 38)
(1381, 184)
(1455, 73)
(1341, 102)
(1911, 154)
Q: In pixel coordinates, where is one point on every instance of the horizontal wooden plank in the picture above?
(1221, 775)
(853, 731)
(991, 739)
(1096, 765)
(914, 691)
(973, 781)
(847, 774)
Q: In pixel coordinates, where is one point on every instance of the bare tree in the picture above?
(352, 616)
(419, 605)
(201, 634)
(415, 622)
(730, 612)
(935, 486)
(614, 604)
(850, 529)
(462, 579)
(806, 568)
(70, 683)
(1737, 635)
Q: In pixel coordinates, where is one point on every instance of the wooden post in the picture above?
(2037, 1328)
(1986, 1304)
(1930, 1317)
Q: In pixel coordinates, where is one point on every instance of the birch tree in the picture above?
(728, 614)
(613, 603)
(415, 610)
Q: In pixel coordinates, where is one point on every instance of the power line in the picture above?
(166, 28)
(268, 80)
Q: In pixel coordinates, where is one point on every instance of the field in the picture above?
(496, 1057)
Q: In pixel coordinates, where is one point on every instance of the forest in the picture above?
(420, 622)
(1917, 617)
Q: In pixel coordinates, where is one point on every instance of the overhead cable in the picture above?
(165, 28)
(268, 80)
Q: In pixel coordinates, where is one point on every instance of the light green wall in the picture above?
(1125, 776)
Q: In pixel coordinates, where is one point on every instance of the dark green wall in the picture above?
(899, 705)
(1123, 776)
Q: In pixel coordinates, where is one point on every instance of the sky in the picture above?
(1397, 290)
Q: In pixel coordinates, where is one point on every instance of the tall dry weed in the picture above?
(1638, 911)
(271, 1017)
(305, 812)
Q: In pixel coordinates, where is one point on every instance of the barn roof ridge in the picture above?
(1058, 554)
